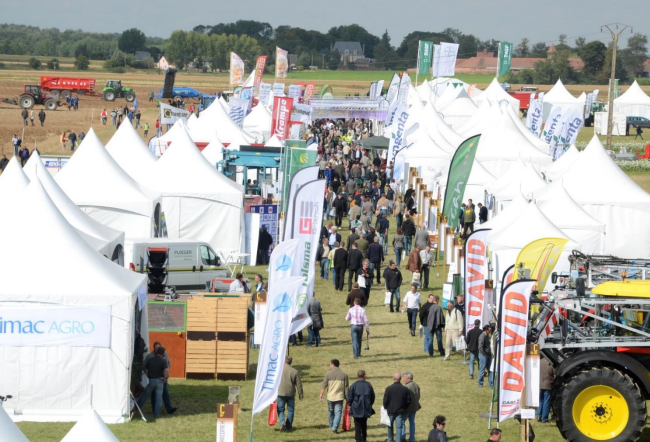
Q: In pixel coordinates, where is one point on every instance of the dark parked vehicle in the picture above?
(638, 121)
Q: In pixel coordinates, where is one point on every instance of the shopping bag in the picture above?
(387, 298)
(383, 417)
(460, 343)
(333, 211)
(361, 281)
(273, 414)
(416, 277)
(346, 418)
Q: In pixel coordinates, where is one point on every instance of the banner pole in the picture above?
(252, 420)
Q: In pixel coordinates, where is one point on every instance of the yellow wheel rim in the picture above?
(600, 412)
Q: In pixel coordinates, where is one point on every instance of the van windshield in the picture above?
(208, 256)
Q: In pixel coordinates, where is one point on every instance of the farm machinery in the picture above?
(32, 95)
(114, 89)
(594, 328)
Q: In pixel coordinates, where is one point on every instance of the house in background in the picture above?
(486, 63)
(350, 50)
(162, 63)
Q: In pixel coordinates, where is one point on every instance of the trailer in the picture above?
(65, 86)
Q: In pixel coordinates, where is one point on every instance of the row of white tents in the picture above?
(583, 197)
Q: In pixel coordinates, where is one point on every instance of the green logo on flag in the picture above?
(505, 58)
(425, 57)
(461, 166)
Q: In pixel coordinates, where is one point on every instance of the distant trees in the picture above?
(522, 49)
(34, 63)
(132, 40)
(81, 63)
(53, 64)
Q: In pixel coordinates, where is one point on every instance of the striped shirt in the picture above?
(357, 316)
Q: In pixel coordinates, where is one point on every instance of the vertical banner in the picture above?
(307, 213)
(261, 310)
(531, 396)
(373, 90)
(296, 181)
(574, 123)
(236, 70)
(553, 124)
(265, 92)
(281, 63)
(436, 61)
(397, 132)
(425, 57)
(270, 363)
(294, 91)
(227, 422)
(512, 347)
(459, 170)
(505, 58)
(309, 91)
(534, 117)
(260, 64)
(278, 89)
(539, 258)
(237, 110)
(404, 84)
(588, 101)
(448, 53)
(476, 272)
(393, 89)
(378, 90)
(282, 107)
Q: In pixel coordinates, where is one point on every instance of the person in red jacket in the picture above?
(158, 128)
(104, 117)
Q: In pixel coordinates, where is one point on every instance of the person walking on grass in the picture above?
(398, 245)
(438, 434)
(41, 117)
(358, 319)
(355, 262)
(322, 255)
(289, 386)
(367, 274)
(157, 371)
(340, 265)
(104, 117)
(485, 357)
(146, 129)
(165, 394)
(336, 383)
(315, 313)
(546, 378)
(414, 406)
(453, 327)
(435, 324)
(397, 399)
(392, 282)
(412, 305)
(424, 315)
(361, 398)
(376, 257)
(426, 257)
(472, 338)
(639, 131)
(31, 116)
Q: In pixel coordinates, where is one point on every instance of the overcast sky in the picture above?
(505, 20)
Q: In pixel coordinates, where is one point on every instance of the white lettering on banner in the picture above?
(475, 276)
(536, 118)
(54, 326)
(281, 114)
(551, 125)
(514, 325)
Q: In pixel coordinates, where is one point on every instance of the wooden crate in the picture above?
(201, 357)
(201, 314)
(232, 360)
(232, 315)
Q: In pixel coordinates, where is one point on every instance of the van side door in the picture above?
(183, 269)
(210, 265)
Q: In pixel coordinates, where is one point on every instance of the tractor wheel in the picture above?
(51, 105)
(129, 96)
(600, 404)
(109, 95)
(177, 98)
(66, 94)
(26, 101)
(56, 93)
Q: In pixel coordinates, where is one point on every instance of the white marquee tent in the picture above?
(634, 102)
(191, 122)
(477, 184)
(495, 94)
(199, 202)
(521, 179)
(460, 109)
(530, 136)
(9, 431)
(213, 152)
(274, 141)
(485, 117)
(429, 157)
(102, 189)
(108, 242)
(54, 380)
(610, 196)
(12, 180)
(130, 152)
(559, 96)
(507, 215)
(562, 164)
(91, 427)
(258, 121)
(216, 121)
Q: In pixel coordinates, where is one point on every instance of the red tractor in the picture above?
(34, 95)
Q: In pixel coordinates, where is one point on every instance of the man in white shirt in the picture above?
(453, 325)
(427, 259)
(334, 236)
(238, 285)
(412, 304)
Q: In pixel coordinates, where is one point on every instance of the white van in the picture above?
(191, 263)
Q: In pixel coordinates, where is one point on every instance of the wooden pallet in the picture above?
(232, 314)
(201, 357)
(232, 359)
(201, 314)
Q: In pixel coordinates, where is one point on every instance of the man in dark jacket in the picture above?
(41, 117)
(382, 227)
(472, 345)
(435, 324)
(340, 264)
(354, 294)
(376, 257)
(3, 162)
(397, 399)
(414, 407)
(352, 238)
(485, 357)
(264, 242)
(438, 433)
(361, 397)
(424, 315)
(393, 280)
(355, 261)
(341, 207)
(482, 213)
(408, 229)
(315, 312)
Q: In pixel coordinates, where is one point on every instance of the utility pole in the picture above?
(613, 29)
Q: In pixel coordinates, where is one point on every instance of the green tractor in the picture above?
(115, 90)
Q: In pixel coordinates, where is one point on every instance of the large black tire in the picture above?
(55, 93)
(129, 96)
(51, 105)
(603, 414)
(65, 94)
(109, 95)
(26, 101)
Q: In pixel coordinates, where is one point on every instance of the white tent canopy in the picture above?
(429, 157)
(485, 117)
(108, 242)
(521, 178)
(577, 224)
(199, 201)
(559, 96)
(562, 164)
(216, 121)
(460, 109)
(102, 189)
(213, 152)
(9, 431)
(530, 136)
(477, 183)
(274, 141)
(610, 196)
(634, 102)
(192, 121)
(90, 428)
(508, 215)
(75, 276)
(130, 152)
(494, 93)
(12, 181)
(258, 121)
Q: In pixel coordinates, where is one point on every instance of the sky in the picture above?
(503, 20)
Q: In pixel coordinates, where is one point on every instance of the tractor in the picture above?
(33, 94)
(115, 90)
(594, 328)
